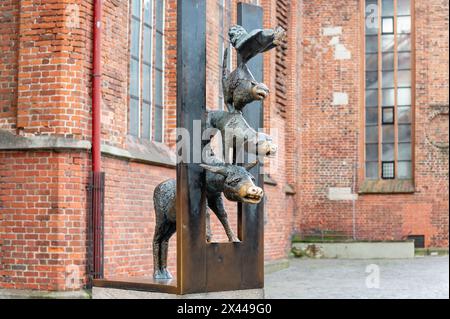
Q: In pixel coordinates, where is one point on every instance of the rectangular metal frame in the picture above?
(201, 266)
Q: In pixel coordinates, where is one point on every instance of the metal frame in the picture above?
(383, 120)
(206, 267)
(382, 169)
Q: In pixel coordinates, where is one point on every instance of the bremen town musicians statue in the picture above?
(222, 177)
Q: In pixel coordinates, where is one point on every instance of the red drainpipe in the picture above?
(96, 88)
(97, 186)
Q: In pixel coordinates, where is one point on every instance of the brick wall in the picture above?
(42, 193)
(43, 220)
(53, 81)
(330, 134)
(9, 39)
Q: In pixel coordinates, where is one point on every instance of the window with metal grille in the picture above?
(388, 89)
(146, 91)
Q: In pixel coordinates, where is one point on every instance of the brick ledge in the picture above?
(136, 150)
(11, 142)
(143, 152)
(388, 187)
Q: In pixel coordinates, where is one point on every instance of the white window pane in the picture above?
(404, 170)
(147, 47)
(371, 115)
(136, 8)
(372, 170)
(404, 96)
(388, 43)
(371, 80)
(371, 98)
(371, 25)
(372, 44)
(146, 82)
(146, 109)
(404, 42)
(371, 61)
(404, 25)
(388, 97)
(388, 8)
(404, 151)
(159, 124)
(371, 17)
(404, 7)
(388, 134)
(388, 25)
(404, 78)
(388, 152)
(371, 6)
(404, 133)
(388, 79)
(159, 51)
(388, 61)
(372, 152)
(160, 15)
(135, 41)
(159, 88)
(148, 12)
(404, 115)
(134, 78)
(404, 60)
(388, 115)
(134, 117)
(372, 134)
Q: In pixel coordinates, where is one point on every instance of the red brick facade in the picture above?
(330, 155)
(45, 112)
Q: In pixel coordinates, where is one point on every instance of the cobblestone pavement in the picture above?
(420, 278)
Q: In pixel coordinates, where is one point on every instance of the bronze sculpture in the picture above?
(248, 45)
(240, 87)
(234, 126)
(235, 182)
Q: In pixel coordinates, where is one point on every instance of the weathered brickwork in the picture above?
(53, 81)
(330, 153)
(9, 39)
(45, 89)
(43, 220)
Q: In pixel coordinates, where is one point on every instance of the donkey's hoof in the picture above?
(162, 274)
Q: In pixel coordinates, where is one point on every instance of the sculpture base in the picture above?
(110, 293)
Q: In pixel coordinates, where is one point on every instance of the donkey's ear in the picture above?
(221, 170)
(249, 166)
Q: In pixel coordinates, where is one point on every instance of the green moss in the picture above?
(432, 252)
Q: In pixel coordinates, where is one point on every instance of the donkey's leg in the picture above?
(157, 251)
(170, 230)
(216, 204)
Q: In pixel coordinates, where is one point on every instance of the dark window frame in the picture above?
(386, 122)
(383, 176)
